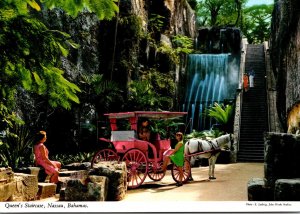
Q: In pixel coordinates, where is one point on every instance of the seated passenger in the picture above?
(41, 157)
(144, 134)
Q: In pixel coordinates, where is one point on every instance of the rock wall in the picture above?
(281, 170)
(219, 40)
(285, 54)
(119, 50)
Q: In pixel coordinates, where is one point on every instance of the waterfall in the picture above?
(210, 78)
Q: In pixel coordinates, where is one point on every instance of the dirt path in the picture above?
(230, 185)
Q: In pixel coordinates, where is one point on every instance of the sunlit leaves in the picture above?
(181, 45)
(258, 23)
(153, 92)
(104, 9)
(222, 114)
(30, 59)
(34, 5)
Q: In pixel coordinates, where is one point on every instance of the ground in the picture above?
(230, 185)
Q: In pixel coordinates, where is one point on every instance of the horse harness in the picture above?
(214, 149)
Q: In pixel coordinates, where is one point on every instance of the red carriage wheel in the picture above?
(137, 167)
(156, 176)
(104, 155)
(186, 172)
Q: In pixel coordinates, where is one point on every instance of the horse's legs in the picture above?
(191, 177)
(212, 161)
(209, 167)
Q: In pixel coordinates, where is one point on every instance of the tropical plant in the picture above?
(142, 96)
(16, 147)
(220, 12)
(30, 52)
(167, 128)
(31, 56)
(257, 23)
(205, 134)
(99, 92)
(223, 114)
(181, 45)
(153, 92)
(156, 23)
(73, 158)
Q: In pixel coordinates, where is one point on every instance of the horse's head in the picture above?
(226, 141)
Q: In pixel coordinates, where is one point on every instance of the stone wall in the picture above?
(285, 54)
(273, 119)
(281, 170)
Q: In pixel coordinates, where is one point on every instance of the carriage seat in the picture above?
(123, 135)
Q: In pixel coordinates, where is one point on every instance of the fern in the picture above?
(16, 148)
(222, 114)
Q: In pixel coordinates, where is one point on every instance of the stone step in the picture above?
(254, 109)
(46, 190)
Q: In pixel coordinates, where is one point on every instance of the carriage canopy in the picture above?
(133, 117)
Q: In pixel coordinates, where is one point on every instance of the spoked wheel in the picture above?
(104, 155)
(156, 176)
(137, 167)
(186, 172)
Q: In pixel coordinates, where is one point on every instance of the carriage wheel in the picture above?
(186, 172)
(156, 176)
(137, 167)
(104, 155)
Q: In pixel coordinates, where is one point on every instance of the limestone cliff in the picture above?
(120, 50)
(285, 54)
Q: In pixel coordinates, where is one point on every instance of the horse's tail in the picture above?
(186, 148)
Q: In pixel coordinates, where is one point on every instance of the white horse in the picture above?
(209, 149)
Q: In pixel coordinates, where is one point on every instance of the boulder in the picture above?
(281, 157)
(94, 188)
(26, 187)
(7, 184)
(258, 191)
(287, 190)
(46, 190)
(117, 175)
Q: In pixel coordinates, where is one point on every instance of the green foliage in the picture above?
(257, 23)
(182, 45)
(8, 118)
(132, 25)
(73, 158)
(16, 148)
(212, 8)
(206, 134)
(99, 91)
(31, 59)
(222, 114)
(31, 56)
(254, 21)
(104, 9)
(142, 96)
(156, 23)
(153, 92)
(166, 128)
(220, 12)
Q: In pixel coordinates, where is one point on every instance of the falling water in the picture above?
(211, 78)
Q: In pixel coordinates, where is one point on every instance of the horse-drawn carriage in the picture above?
(142, 157)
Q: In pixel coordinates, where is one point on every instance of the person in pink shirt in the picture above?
(42, 159)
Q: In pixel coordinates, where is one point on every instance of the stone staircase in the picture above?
(254, 116)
